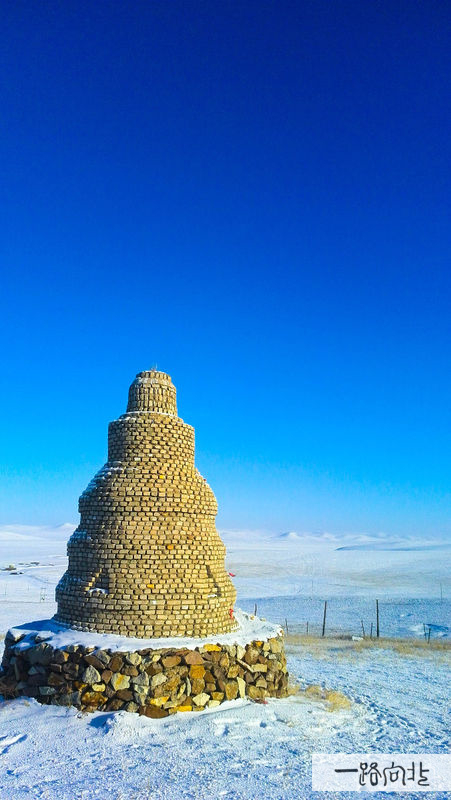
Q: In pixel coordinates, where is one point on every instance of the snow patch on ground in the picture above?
(239, 751)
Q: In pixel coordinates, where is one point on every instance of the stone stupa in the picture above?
(145, 619)
(146, 559)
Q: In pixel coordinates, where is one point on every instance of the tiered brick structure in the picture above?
(146, 559)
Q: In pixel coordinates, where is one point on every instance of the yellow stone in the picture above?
(197, 671)
(183, 708)
(93, 698)
(210, 647)
(159, 701)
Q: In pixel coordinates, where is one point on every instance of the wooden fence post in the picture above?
(324, 618)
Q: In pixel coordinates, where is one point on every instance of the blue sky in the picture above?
(252, 196)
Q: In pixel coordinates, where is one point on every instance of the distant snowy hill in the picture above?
(325, 564)
(17, 532)
(20, 543)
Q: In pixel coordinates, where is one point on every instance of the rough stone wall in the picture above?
(151, 682)
(146, 559)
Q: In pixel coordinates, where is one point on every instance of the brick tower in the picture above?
(146, 559)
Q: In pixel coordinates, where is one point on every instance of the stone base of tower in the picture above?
(155, 681)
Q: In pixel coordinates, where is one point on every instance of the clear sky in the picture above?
(253, 196)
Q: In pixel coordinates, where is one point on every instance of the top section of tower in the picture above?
(152, 391)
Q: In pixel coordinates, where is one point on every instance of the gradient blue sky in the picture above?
(253, 196)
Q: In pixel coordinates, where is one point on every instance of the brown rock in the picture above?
(114, 705)
(215, 656)
(219, 673)
(171, 661)
(70, 669)
(106, 675)
(130, 670)
(56, 680)
(255, 693)
(155, 712)
(159, 691)
(95, 662)
(251, 655)
(197, 686)
(124, 694)
(231, 690)
(154, 669)
(193, 657)
(115, 663)
(60, 656)
(172, 683)
(182, 671)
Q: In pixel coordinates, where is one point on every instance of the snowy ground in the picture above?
(243, 750)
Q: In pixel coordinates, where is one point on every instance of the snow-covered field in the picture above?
(397, 696)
